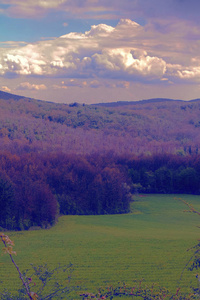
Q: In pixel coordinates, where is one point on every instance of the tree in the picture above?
(163, 180)
(7, 202)
(36, 204)
(188, 181)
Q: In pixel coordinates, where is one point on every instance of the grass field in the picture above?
(150, 243)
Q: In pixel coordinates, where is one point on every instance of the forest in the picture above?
(146, 127)
(60, 159)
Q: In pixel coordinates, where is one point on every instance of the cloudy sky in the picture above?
(100, 51)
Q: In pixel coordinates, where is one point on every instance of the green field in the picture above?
(150, 243)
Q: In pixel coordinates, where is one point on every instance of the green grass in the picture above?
(150, 243)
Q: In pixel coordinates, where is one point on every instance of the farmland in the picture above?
(150, 243)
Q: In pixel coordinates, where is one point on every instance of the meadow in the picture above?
(149, 243)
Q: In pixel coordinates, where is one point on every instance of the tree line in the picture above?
(36, 188)
(166, 174)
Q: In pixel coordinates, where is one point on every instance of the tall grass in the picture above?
(150, 243)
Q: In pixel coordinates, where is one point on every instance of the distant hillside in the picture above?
(153, 100)
(147, 126)
(7, 96)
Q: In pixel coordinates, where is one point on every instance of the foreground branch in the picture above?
(8, 248)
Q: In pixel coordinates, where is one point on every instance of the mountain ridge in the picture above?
(144, 101)
(7, 96)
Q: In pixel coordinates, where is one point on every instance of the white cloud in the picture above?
(5, 89)
(123, 61)
(12, 44)
(29, 86)
(100, 30)
(108, 84)
(58, 87)
(95, 84)
(123, 84)
(190, 74)
(126, 52)
(73, 83)
(101, 83)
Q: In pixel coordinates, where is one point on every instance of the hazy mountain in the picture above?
(153, 100)
(7, 96)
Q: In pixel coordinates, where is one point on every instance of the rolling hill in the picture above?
(89, 159)
(154, 125)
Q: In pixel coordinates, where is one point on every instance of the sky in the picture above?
(91, 51)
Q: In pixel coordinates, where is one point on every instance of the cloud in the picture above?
(30, 8)
(100, 30)
(95, 84)
(5, 89)
(107, 84)
(29, 86)
(123, 84)
(39, 8)
(12, 44)
(92, 84)
(74, 83)
(59, 87)
(182, 9)
(127, 52)
(191, 74)
(123, 62)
